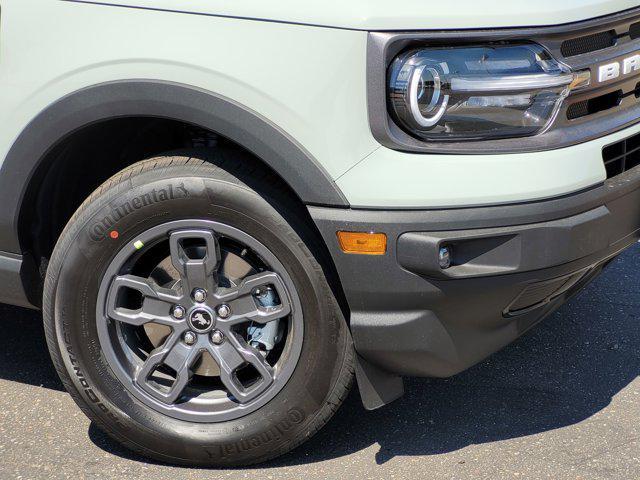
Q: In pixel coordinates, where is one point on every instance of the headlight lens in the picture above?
(479, 92)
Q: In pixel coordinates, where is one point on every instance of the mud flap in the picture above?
(377, 387)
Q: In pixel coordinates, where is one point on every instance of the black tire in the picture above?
(218, 188)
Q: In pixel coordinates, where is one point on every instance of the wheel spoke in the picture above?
(244, 305)
(233, 354)
(156, 303)
(195, 255)
(174, 354)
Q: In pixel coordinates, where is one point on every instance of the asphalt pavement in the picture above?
(562, 402)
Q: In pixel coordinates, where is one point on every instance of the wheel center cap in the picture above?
(201, 320)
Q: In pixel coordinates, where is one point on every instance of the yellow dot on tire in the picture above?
(138, 244)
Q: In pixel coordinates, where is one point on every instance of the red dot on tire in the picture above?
(114, 234)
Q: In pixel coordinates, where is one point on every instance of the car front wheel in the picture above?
(189, 319)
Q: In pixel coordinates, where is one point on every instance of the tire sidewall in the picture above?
(85, 251)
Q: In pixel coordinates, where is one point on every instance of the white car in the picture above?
(226, 210)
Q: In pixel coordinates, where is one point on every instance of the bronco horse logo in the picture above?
(201, 320)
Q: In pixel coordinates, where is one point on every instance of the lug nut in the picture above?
(217, 337)
(190, 338)
(224, 311)
(199, 295)
(178, 312)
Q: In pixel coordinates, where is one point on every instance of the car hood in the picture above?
(397, 15)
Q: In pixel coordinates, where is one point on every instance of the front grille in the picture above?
(597, 41)
(588, 43)
(621, 156)
(611, 42)
(594, 105)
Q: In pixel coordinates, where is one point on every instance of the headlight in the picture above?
(479, 92)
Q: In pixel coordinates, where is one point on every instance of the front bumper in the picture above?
(513, 265)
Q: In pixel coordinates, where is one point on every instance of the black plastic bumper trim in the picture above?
(409, 317)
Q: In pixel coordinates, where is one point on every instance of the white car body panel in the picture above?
(263, 66)
(309, 81)
(476, 179)
(400, 15)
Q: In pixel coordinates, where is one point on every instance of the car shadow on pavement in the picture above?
(562, 372)
(24, 356)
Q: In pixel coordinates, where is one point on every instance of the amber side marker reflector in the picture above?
(363, 243)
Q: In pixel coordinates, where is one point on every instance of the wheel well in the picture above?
(80, 163)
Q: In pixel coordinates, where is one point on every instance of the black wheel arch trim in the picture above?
(161, 99)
